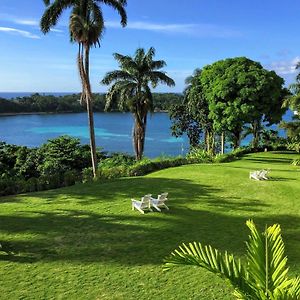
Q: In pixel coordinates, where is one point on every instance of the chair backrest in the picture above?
(163, 197)
(145, 201)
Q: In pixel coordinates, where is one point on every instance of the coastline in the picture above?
(61, 112)
(34, 113)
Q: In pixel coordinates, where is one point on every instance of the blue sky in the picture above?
(186, 34)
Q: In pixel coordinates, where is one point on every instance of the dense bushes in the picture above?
(57, 163)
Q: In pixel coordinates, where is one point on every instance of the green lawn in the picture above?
(84, 242)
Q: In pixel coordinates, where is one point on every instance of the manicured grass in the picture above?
(84, 242)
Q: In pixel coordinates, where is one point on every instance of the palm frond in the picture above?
(224, 265)
(157, 64)
(160, 77)
(264, 276)
(124, 89)
(116, 75)
(53, 13)
(119, 6)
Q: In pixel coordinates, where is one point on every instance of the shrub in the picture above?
(87, 175)
(117, 159)
(199, 155)
(235, 154)
(70, 177)
(293, 144)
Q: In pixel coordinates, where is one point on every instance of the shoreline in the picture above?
(35, 113)
(62, 112)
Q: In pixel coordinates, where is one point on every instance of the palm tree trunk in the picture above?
(139, 133)
(89, 107)
(87, 97)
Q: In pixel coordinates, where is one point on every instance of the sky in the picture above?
(186, 34)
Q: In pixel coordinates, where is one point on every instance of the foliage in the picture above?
(57, 163)
(130, 89)
(183, 122)
(63, 154)
(198, 154)
(292, 128)
(191, 116)
(233, 155)
(262, 277)
(37, 103)
(117, 159)
(240, 91)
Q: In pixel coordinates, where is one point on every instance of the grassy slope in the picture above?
(84, 242)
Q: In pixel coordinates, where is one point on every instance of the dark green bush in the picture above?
(71, 177)
(117, 159)
(87, 175)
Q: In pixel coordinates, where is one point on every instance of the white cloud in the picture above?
(284, 67)
(198, 30)
(22, 33)
(56, 30)
(29, 22)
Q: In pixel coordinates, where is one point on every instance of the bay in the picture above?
(112, 130)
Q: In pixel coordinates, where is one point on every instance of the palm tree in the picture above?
(130, 88)
(86, 27)
(262, 277)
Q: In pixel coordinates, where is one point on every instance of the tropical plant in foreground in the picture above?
(263, 276)
(130, 88)
(86, 27)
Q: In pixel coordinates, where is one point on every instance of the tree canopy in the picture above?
(239, 91)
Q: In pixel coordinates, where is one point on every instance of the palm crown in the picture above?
(262, 277)
(86, 28)
(92, 14)
(130, 88)
(131, 82)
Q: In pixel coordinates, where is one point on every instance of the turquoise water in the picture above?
(112, 130)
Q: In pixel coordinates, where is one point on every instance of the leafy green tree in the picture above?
(62, 154)
(183, 122)
(241, 91)
(263, 276)
(191, 116)
(130, 88)
(86, 28)
(293, 102)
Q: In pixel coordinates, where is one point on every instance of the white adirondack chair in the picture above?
(160, 201)
(259, 175)
(144, 204)
(255, 175)
(263, 174)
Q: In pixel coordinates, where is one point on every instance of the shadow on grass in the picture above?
(267, 160)
(236, 204)
(133, 239)
(124, 188)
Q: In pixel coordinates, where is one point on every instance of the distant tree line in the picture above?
(71, 103)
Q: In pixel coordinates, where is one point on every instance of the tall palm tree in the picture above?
(86, 27)
(263, 276)
(130, 88)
